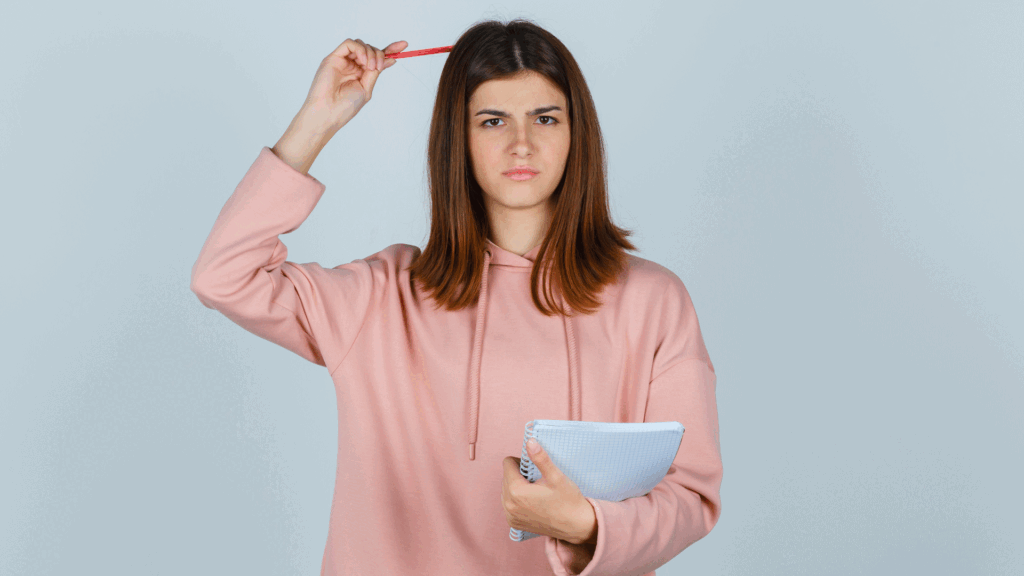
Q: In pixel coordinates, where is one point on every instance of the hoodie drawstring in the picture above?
(473, 391)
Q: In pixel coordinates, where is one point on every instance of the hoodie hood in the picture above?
(496, 255)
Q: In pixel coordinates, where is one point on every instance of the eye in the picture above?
(552, 119)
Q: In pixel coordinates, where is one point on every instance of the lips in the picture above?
(518, 170)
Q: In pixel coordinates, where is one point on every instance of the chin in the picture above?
(522, 197)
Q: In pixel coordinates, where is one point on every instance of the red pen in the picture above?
(423, 52)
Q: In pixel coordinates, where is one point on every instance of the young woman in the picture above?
(523, 305)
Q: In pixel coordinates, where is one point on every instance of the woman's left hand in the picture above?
(552, 506)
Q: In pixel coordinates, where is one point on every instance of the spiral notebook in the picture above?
(607, 460)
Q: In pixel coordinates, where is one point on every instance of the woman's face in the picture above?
(520, 121)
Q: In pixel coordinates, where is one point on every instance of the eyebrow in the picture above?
(504, 114)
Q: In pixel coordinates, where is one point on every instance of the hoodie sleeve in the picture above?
(243, 273)
(638, 535)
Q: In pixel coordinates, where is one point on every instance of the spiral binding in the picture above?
(530, 471)
(661, 438)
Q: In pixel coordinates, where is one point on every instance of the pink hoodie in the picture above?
(430, 402)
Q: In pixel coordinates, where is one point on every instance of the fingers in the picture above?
(395, 47)
(377, 57)
(366, 52)
(355, 50)
(347, 48)
(372, 69)
(382, 60)
(366, 55)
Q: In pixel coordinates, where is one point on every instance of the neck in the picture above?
(521, 231)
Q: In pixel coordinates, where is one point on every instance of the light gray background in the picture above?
(838, 186)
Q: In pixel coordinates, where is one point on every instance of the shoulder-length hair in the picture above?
(582, 250)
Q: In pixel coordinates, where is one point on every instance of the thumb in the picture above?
(368, 80)
(541, 459)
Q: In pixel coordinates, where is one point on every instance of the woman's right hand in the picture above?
(344, 82)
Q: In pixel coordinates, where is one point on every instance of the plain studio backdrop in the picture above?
(838, 186)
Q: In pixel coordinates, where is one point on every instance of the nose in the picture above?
(522, 140)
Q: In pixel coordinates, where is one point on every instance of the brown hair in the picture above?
(582, 250)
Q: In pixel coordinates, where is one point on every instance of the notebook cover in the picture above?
(607, 460)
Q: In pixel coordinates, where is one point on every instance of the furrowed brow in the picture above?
(504, 114)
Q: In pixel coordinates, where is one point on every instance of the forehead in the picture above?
(523, 91)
